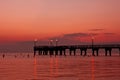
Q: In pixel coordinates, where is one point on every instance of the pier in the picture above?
(61, 50)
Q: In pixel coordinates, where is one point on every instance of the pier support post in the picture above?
(46, 52)
(43, 52)
(119, 51)
(74, 52)
(64, 53)
(93, 52)
(60, 52)
(105, 52)
(51, 52)
(110, 52)
(40, 52)
(81, 52)
(70, 52)
(56, 52)
(34, 52)
(85, 52)
(97, 52)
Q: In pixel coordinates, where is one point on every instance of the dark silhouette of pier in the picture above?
(61, 50)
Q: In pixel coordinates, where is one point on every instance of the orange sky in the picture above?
(24, 20)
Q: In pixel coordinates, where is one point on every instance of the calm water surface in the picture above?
(59, 68)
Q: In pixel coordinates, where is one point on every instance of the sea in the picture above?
(24, 66)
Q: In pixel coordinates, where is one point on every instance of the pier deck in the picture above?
(61, 50)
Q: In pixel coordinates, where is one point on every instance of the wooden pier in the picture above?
(61, 50)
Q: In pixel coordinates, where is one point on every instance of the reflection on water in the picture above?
(59, 68)
(54, 67)
(93, 68)
(35, 68)
(51, 67)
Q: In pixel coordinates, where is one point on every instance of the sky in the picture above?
(67, 20)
